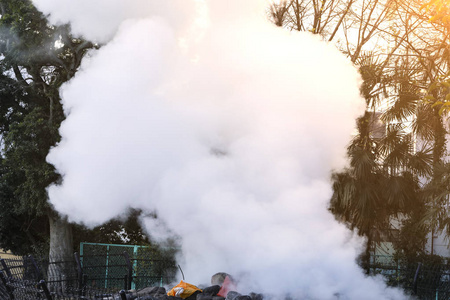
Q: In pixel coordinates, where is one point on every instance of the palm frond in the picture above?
(422, 124)
(421, 162)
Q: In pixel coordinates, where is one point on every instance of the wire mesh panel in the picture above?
(434, 282)
(154, 267)
(17, 267)
(118, 268)
(127, 266)
(25, 290)
(4, 291)
(60, 276)
(97, 273)
(425, 281)
(386, 266)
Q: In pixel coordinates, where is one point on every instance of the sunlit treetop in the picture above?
(438, 10)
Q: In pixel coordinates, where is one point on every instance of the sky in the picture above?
(225, 126)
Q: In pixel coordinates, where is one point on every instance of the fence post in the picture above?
(36, 268)
(107, 266)
(123, 295)
(44, 287)
(79, 273)
(130, 269)
(8, 289)
(125, 282)
(5, 268)
(415, 278)
(135, 266)
(85, 279)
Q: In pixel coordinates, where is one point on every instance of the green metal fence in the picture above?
(110, 265)
(101, 271)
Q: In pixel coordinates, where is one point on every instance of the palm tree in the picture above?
(382, 182)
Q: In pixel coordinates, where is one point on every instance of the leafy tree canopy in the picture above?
(126, 230)
(36, 58)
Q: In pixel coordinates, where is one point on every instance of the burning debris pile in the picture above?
(222, 287)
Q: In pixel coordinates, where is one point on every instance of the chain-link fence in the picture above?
(96, 274)
(102, 271)
(426, 281)
(111, 266)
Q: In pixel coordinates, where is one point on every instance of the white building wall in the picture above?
(438, 244)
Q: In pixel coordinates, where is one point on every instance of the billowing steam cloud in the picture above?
(227, 127)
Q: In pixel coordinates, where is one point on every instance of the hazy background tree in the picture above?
(402, 51)
(36, 59)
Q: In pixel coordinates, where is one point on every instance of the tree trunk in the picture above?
(367, 254)
(60, 268)
(364, 257)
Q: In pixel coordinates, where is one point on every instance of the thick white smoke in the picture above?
(227, 127)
